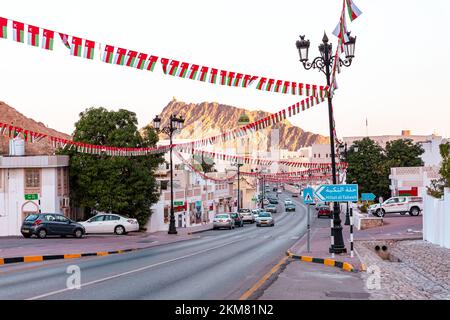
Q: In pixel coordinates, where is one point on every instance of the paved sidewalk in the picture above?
(19, 246)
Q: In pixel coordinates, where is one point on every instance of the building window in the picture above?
(314, 155)
(32, 178)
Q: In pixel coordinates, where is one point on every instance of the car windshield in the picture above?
(265, 215)
(221, 216)
(32, 217)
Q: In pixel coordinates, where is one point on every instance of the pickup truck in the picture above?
(401, 204)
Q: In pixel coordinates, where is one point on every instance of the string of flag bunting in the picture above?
(80, 47)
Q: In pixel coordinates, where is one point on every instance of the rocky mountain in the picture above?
(12, 116)
(205, 119)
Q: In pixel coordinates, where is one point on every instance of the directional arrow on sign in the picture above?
(367, 196)
(337, 192)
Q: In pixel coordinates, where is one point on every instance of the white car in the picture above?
(400, 204)
(110, 223)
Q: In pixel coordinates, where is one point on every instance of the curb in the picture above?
(328, 262)
(27, 259)
(198, 231)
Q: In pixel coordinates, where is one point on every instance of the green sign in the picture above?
(32, 196)
(178, 203)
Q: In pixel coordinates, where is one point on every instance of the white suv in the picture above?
(402, 205)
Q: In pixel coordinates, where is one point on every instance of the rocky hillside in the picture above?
(12, 116)
(205, 119)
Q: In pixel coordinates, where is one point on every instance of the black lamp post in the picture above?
(324, 64)
(238, 165)
(175, 123)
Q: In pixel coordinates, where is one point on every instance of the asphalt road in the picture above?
(221, 264)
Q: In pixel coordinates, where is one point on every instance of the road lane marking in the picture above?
(131, 271)
(261, 281)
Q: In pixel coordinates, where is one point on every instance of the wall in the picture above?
(436, 219)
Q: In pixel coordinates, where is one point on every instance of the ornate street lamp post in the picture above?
(238, 165)
(324, 64)
(175, 123)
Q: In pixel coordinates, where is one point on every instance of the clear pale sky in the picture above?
(398, 79)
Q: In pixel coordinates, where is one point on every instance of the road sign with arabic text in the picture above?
(337, 193)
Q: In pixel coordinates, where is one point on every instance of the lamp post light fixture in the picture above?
(238, 165)
(324, 63)
(175, 124)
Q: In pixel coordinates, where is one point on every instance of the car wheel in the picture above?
(119, 230)
(26, 235)
(380, 213)
(78, 233)
(42, 234)
(414, 211)
(403, 213)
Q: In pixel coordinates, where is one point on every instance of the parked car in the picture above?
(50, 224)
(223, 220)
(243, 210)
(238, 219)
(248, 217)
(110, 223)
(324, 211)
(265, 219)
(401, 204)
(271, 208)
(265, 201)
(295, 195)
(289, 207)
(320, 204)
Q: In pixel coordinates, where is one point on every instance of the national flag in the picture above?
(151, 63)
(164, 63)
(182, 70)
(248, 80)
(131, 58)
(294, 88)
(314, 90)
(270, 85)
(353, 10)
(203, 73)
(142, 57)
(230, 78)
(89, 49)
(47, 39)
(261, 83)
(108, 54)
(300, 89)
(341, 29)
(238, 80)
(76, 46)
(307, 91)
(173, 67)
(3, 27)
(33, 36)
(65, 39)
(278, 85)
(213, 75)
(18, 30)
(223, 77)
(120, 56)
(286, 87)
(192, 73)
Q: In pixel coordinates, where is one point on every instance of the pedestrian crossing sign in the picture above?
(308, 195)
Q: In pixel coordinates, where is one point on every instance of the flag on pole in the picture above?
(108, 54)
(141, 61)
(18, 28)
(150, 63)
(76, 46)
(47, 39)
(65, 39)
(3, 27)
(33, 36)
(131, 58)
(353, 10)
(89, 49)
(120, 56)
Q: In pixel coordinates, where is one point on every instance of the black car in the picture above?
(238, 219)
(50, 224)
(273, 200)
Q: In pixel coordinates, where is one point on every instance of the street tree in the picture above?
(119, 184)
(404, 153)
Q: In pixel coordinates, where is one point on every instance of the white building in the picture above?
(30, 184)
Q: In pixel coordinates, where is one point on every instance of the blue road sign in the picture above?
(367, 196)
(308, 195)
(337, 193)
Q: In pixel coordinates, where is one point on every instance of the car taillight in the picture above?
(131, 221)
(37, 222)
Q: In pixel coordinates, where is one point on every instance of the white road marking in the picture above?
(131, 271)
